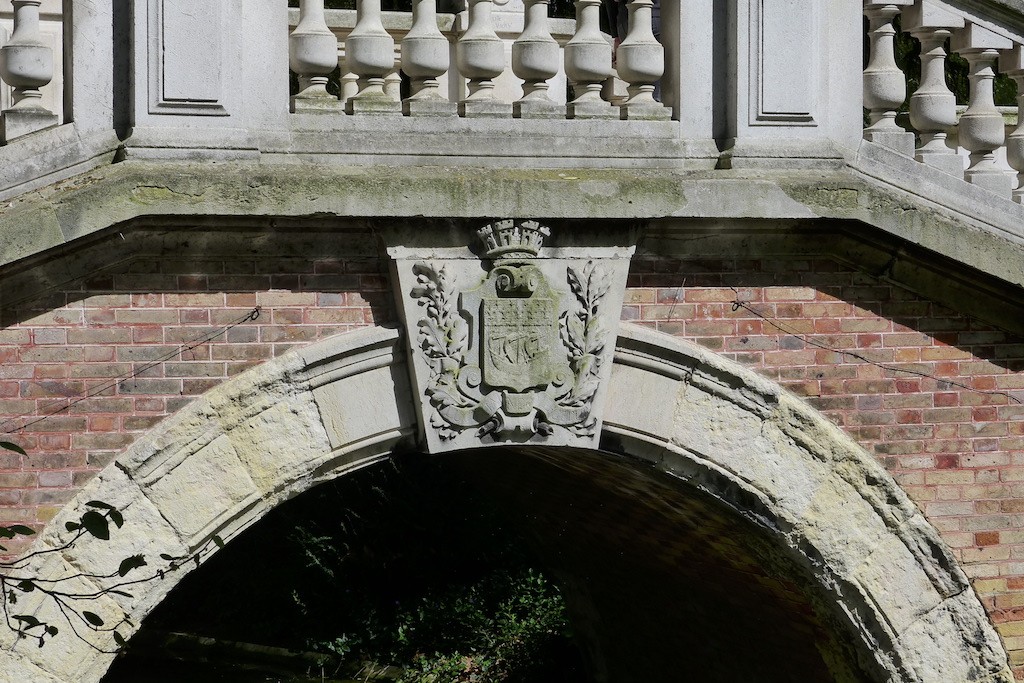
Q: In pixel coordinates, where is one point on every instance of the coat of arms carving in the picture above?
(518, 353)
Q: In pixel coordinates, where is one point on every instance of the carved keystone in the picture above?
(512, 345)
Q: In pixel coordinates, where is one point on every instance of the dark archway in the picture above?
(659, 582)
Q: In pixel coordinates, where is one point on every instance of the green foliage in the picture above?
(401, 569)
(495, 629)
(908, 58)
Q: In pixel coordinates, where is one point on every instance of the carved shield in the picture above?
(518, 339)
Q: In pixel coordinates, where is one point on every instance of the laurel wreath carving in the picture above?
(583, 336)
(443, 339)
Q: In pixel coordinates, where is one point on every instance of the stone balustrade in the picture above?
(495, 60)
(975, 143)
(755, 83)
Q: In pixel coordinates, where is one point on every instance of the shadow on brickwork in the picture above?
(918, 293)
(226, 257)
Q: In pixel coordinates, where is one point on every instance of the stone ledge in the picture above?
(116, 195)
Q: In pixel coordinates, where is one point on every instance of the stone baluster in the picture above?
(982, 130)
(933, 105)
(26, 64)
(480, 57)
(588, 64)
(425, 57)
(349, 86)
(640, 59)
(370, 54)
(393, 84)
(885, 87)
(1012, 64)
(535, 60)
(313, 56)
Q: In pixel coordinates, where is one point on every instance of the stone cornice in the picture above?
(983, 234)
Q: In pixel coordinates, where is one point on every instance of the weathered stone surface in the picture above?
(145, 532)
(631, 391)
(979, 659)
(204, 491)
(15, 123)
(123, 192)
(67, 656)
(186, 433)
(897, 583)
(286, 438)
(377, 411)
(15, 669)
(843, 526)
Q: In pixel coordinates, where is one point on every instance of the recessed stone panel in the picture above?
(359, 406)
(785, 61)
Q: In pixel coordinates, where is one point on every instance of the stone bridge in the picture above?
(730, 342)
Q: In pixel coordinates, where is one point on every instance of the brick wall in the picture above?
(89, 365)
(935, 394)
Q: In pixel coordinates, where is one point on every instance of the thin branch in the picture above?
(110, 383)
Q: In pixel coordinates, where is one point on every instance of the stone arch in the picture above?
(703, 422)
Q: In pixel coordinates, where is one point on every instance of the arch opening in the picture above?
(657, 582)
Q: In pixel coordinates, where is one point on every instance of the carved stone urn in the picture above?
(26, 63)
(535, 59)
(480, 55)
(312, 51)
(425, 52)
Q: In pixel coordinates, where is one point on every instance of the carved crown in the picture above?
(512, 239)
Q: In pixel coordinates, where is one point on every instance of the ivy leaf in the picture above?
(218, 541)
(52, 630)
(130, 563)
(96, 524)
(7, 445)
(26, 586)
(27, 619)
(116, 518)
(22, 529)
(92, 618)
(100, 504)
(119, 639)
(72, 526)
